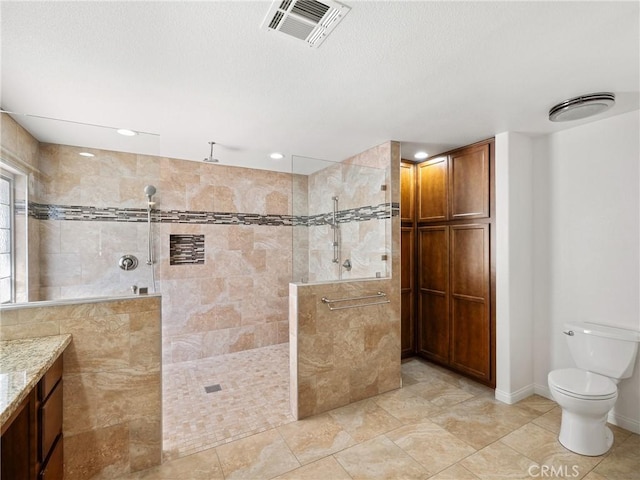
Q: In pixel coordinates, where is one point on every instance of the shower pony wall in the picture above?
(341, 356)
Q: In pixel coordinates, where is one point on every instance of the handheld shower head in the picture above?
(149, 191)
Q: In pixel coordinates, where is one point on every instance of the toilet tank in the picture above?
(609, 351)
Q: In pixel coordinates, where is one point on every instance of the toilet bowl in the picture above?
(604, 355)
(585, 399)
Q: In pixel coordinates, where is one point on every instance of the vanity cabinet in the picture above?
(454, 310)
(32, 444)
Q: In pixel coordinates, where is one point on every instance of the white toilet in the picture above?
(604, 355)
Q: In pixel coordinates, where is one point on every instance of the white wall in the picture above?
(514, 281)
(586, 243)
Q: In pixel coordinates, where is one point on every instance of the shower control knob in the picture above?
(128, 262)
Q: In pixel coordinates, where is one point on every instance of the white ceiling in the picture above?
(432, 75)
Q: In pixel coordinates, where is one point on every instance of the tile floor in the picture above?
(253, 397)
(438, 426)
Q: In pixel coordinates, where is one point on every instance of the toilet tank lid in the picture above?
(604, 331)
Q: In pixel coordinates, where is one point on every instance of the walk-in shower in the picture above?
(150, 191)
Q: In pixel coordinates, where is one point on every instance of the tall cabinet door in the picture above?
(433, 304)
(469, 183)
(407, 330)
(407, 192)
(470, 300)
(433, 190)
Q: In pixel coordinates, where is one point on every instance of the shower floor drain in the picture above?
(213, 388)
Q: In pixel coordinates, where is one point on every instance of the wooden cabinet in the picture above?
(407, 259)
(407, 192)
(407, 306)
(433, 310)
(50, 419)
(455, 186)
(433, 190)
(455, 317)
(32, 445)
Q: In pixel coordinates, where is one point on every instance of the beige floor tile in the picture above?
(594, 476)
(537, 403)
(364, 420)
(543, 447)
(406, 406)
(482, 420)
(498, 461)
(440, 393)
(324, 469)
(623, 462)
(380, 458)
(315, 437)
(261, 456)
(430, 445)
(455, 472)
(550, 420)
(199, 466)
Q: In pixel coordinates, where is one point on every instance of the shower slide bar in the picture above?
(354, 299)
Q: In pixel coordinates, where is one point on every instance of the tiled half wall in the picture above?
(342, 356)
(112, 402)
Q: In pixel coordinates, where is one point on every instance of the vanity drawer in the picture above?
(53, 469)
(49, 380)
(50, 424)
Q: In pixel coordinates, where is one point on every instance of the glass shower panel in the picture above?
(342, 221)
(85, 208)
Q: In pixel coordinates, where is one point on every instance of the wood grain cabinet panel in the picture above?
(407, 291)
(407, 191)
(469, 183)
(433, 190)
(433, 309)
(470, 301)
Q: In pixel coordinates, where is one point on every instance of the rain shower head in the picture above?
(149, 191)
(211, 158)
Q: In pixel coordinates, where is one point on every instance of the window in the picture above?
(7, 283)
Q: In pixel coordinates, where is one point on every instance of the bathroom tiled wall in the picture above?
(342, 356)
(236, 300)
(19, 152)
(112, 380)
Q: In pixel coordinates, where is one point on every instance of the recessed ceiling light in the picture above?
(582, 107)
(126, 132)
(421, 155)
(276, 156)
(86, 154)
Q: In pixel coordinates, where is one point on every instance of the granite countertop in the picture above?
(22, 365)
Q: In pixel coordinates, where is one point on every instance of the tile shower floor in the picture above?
(438, 426)
(248, 394)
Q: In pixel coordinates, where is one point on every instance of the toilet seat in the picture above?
(582, 384)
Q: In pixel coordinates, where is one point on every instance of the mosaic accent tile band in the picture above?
(41, 211)
(186, 249)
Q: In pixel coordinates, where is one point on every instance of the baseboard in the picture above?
(621, 421)
(514, 397)
(542, 390)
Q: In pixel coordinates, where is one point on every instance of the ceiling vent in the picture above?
(308, 20)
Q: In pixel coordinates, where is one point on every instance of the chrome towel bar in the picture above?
(355, 299)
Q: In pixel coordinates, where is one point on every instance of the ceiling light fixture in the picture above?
(582, 107)
(421, 155)
(126, 132)
(211, 158)
(276, 156)
(86, 154)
